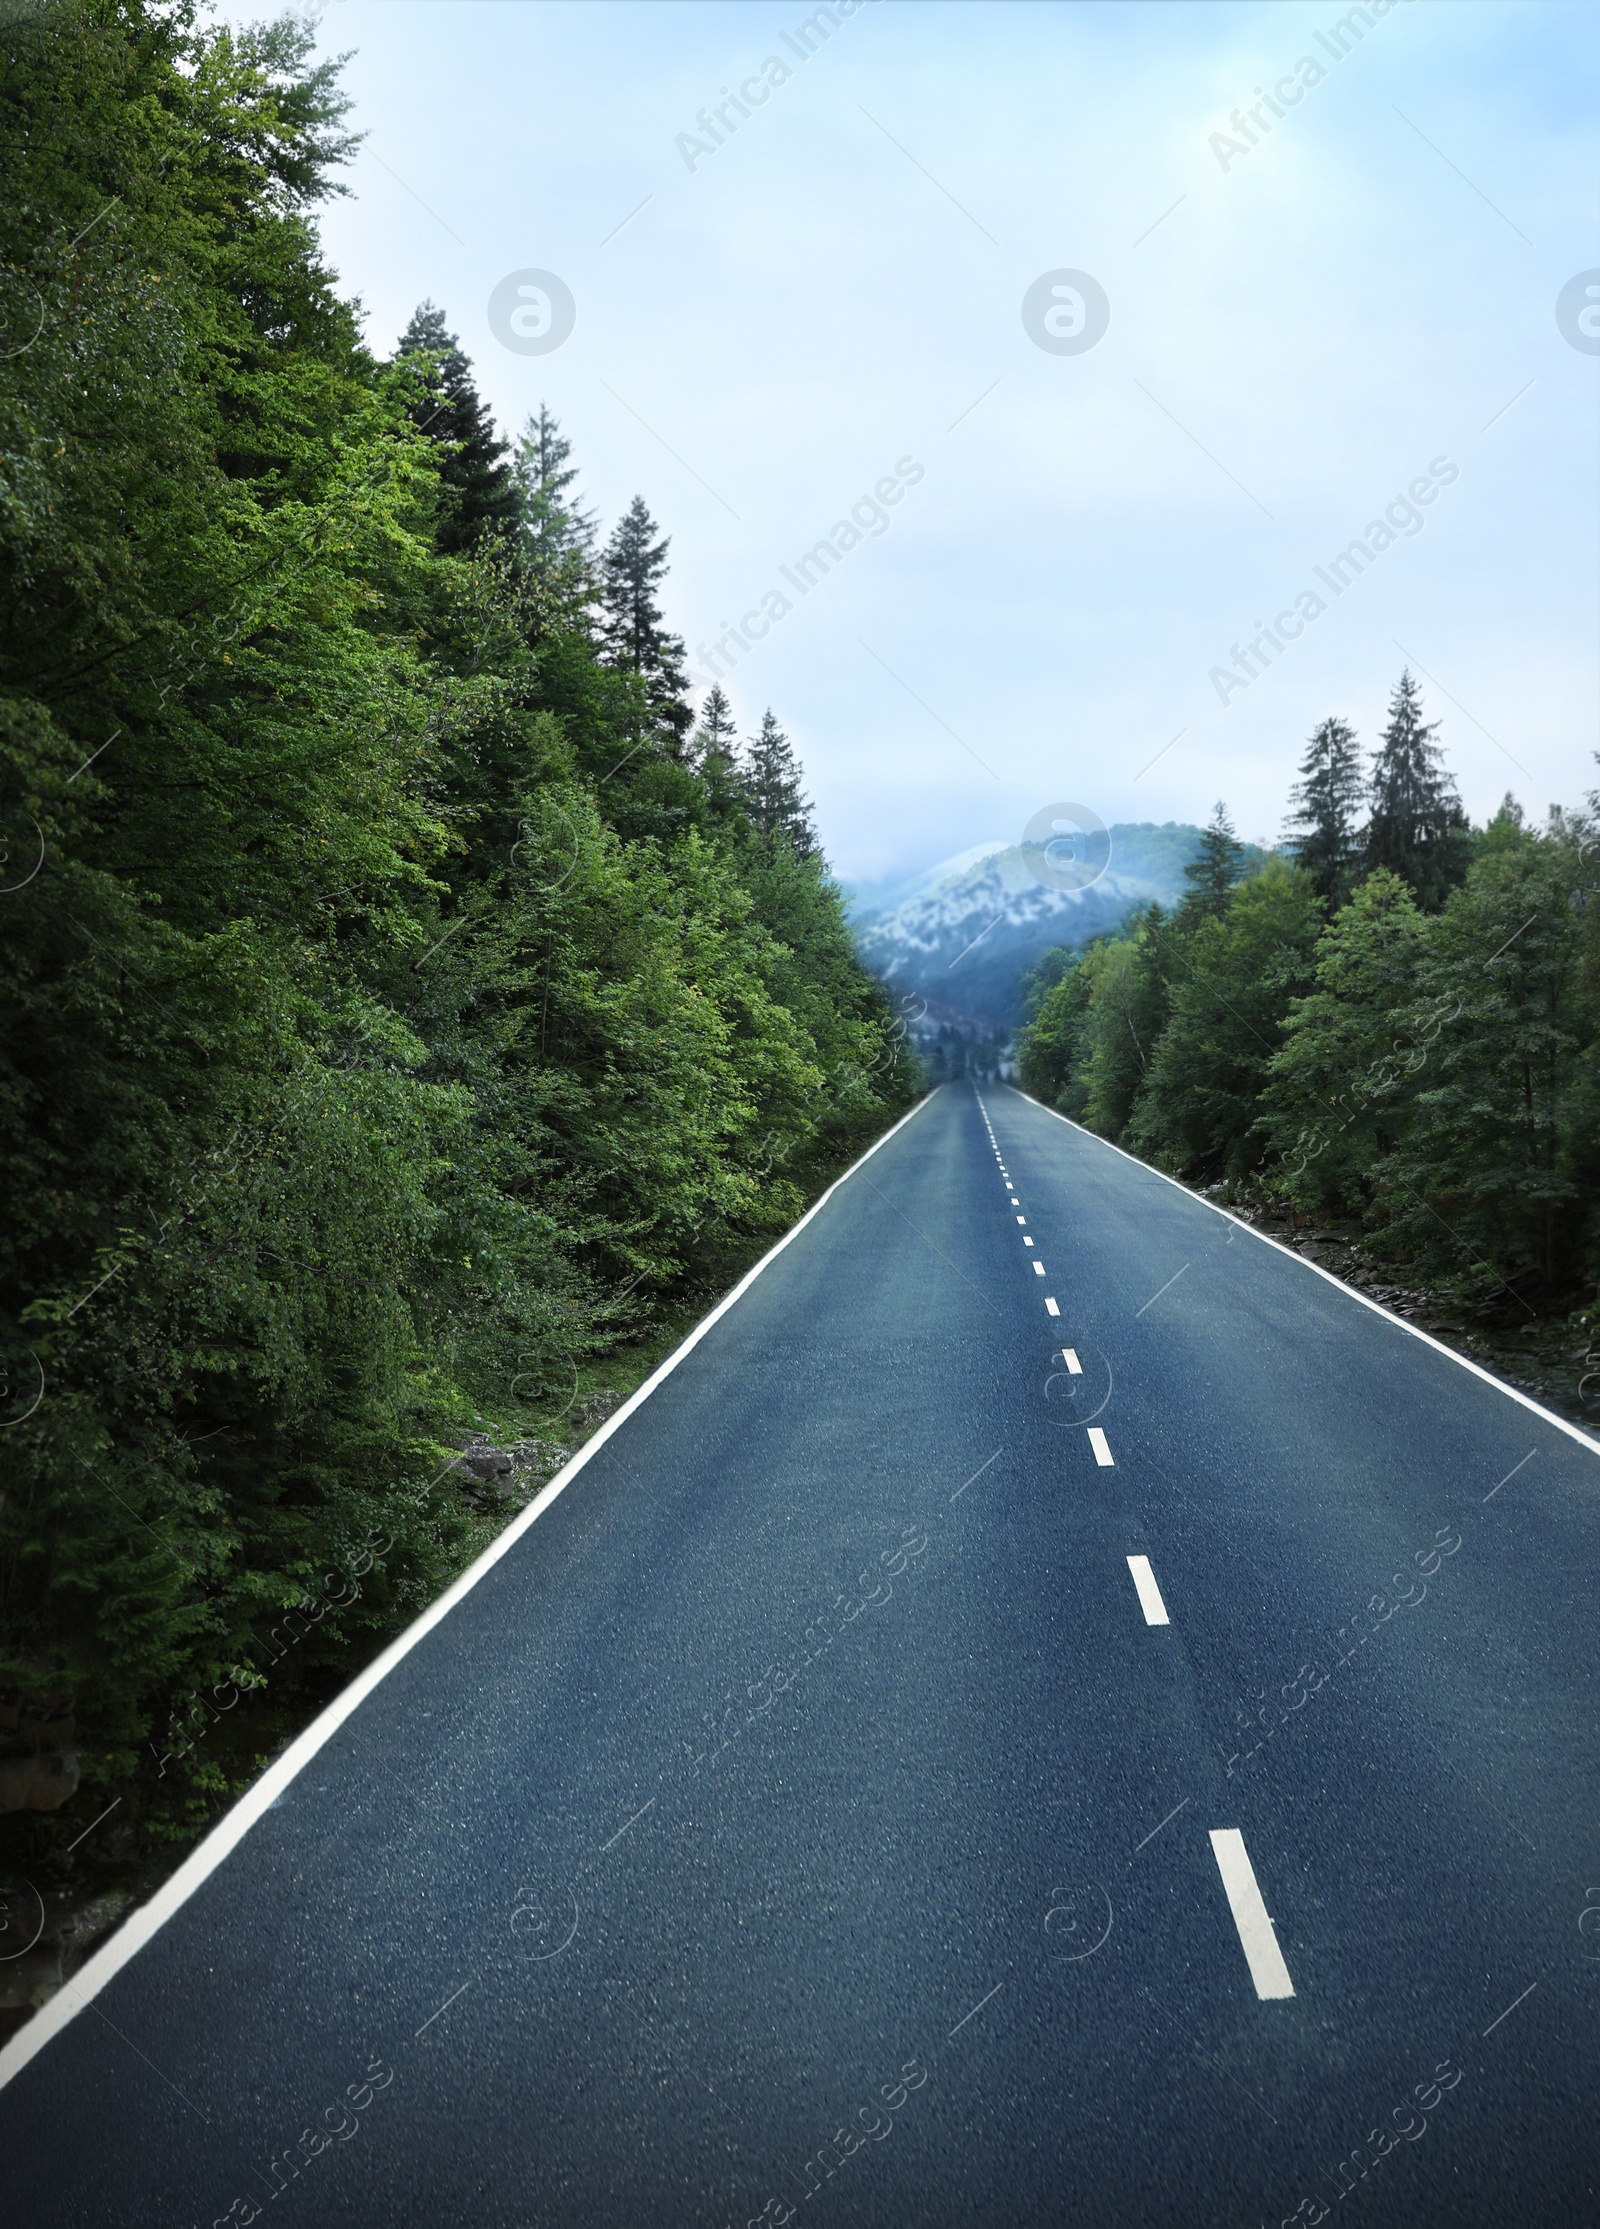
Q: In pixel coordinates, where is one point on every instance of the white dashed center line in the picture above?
(1257, 1938)
(1150, 1602)
(1250, 1916)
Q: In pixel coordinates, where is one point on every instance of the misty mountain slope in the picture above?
(964, 934)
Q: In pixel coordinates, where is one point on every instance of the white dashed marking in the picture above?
(1150, 1602)
(1069, 1356)
(1250, 1915)
(1054, 1310)
(1102, 1453)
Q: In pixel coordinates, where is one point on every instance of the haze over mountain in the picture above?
(963, 935)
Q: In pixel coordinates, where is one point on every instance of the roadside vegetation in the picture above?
(1388, 1036)
(412, 1015)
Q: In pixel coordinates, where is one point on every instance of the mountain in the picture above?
(963, 935)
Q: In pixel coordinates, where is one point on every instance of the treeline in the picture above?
(1396, 1022)
(406, 999)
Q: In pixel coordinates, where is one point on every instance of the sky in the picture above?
(1309, 317)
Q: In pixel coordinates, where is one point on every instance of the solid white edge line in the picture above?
(1250, 1915)
(231, 1829)
(1399, 1323)
(1102, 1448)
(1150, 1602)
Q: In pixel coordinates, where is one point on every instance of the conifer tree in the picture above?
(714, 748)
(483, 494)
(773, 797)
(1326, 803)
(1214, 870)
(555, 526)
(1417, 829)
(634, 639)
(556, 542)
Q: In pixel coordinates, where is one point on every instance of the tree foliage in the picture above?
(1326, 810)
(778, 808)
(1422, 1057)
(477, 488)
(634, 634)
(1213, 871)
(392, 1018)
(1417, 827)
(1234, 976)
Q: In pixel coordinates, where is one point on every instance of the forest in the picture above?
(1393, 1023)
(410, 1003)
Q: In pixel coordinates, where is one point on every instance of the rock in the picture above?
(32, 1979)
(489, 1464)
(514, 1471)
(38, 1783)
(70, 1931)
(500, 1472)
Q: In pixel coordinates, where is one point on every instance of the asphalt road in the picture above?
(805, 1820)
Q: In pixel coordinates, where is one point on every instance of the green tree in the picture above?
(1326, 804)
(714, 749)
(1129, 1013)
(480, 493)
(635, 638)
(1098, 1016)
(1494, 1179)
(770, 779)
(1417, 828)
(557, 533)
(225, 740)
(1051, 1047)
(1339, 1091)
(1213, 871)
(374, 1038)
(556, 526)
(1234, 979)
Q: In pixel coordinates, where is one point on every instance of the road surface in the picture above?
(1051, 1711)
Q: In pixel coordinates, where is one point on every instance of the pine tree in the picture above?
(556, 542)
(483, 495)
(1417, 829)
(1326, 802)
(777, 806)
(633, 567)
(713, 754)
(555, 527)
(1214, 870)
(714, 748)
